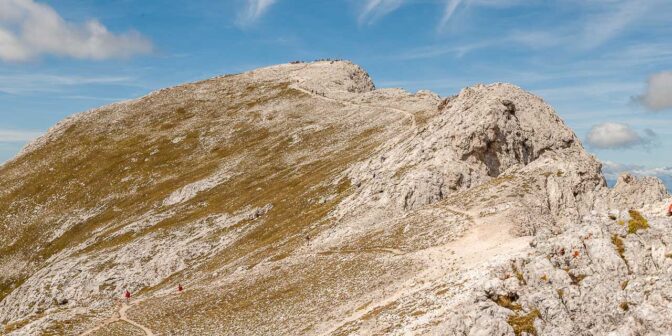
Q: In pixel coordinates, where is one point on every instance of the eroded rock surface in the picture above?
(636, 192)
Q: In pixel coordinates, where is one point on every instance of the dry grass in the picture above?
(637, 222)
(619, 245)
(624, 306)
(624, 284)
(524, 323)
(518, 274)
(95, 161)
(575, 278)
(508, 302)
(143, 157)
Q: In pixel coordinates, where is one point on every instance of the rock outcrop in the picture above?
(300, 199)
(595, 279)
(632, 192)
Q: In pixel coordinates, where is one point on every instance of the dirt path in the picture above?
(121, 316)
(366, 250)
(484, 241)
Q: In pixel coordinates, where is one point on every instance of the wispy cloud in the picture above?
(536, 39)
(611, 135)
(252, 11)
(451, 7)
(449, 11)
(433, 51)
(595, 90)
(596, 21)
(10, 135)
(29, 29)
(600, 21)
(16, 84)
(373, 10)
(612, 19)
(658, 95)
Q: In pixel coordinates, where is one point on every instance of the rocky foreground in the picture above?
(299, 200)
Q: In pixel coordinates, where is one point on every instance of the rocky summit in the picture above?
(299, 199)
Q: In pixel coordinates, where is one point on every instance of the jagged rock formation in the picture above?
(299, 199)
(595, 279)
(631, 192)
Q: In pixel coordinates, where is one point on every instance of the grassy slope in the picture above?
(125, 159)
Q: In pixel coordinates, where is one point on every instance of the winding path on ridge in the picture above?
(407, 114)
(121, 317)
(299, 80)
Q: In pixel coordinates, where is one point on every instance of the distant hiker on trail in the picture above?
(669, 210)
(179, 288)
(127, 295)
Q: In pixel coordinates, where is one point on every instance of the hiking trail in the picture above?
(405, 113)
(478, 245)
(121, 317)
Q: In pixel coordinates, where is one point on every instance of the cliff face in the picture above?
(299, 199)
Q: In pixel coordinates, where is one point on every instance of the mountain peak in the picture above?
(301, 188)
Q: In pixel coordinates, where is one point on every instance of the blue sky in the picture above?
(604, 65)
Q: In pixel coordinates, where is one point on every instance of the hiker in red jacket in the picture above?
(669, 210)
(179, 288)
(127, 295)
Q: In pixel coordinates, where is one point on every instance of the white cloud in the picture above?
(252, 11)
(612, 170)
(8, 135)
(611, 135)
(29, 29)
(373, 10)
(658, 95)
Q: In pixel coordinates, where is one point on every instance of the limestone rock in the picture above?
(298, 198)
(636, 192)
